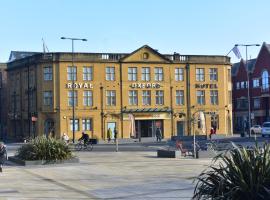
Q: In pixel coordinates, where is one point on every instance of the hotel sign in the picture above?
(145, 85)
(203, 86)
(79, 85)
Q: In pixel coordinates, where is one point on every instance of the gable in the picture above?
(145, 54)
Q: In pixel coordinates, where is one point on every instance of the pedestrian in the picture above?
(215, 129)
(212, 131)
(3, 155)
(158, 134)
(65, 138)
(115, 134)
(109, 134)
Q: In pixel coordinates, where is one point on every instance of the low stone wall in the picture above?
(168, 154)
(41, 162)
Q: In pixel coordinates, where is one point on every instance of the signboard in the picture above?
(251, 115)
(145, 85)
(79, 85)
(148, 116)
(202, 86)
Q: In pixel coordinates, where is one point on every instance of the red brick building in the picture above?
(259, 82)
(3, 101)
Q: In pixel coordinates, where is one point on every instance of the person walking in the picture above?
(115, 134)
(3, 155)
(211, 133)
(158, 134)
(65, 138)
(109, 134)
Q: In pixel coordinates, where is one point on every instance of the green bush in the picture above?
(42, 148)
(238, 174)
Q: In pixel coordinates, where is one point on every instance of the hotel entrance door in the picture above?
(147, 128)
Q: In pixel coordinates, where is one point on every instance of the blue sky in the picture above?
(187, 27)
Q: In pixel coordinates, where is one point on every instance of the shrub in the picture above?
(42, 148)
(238, 174)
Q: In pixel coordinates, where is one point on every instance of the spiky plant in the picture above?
(238, 174)
(42, 148)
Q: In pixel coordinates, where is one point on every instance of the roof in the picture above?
(267, 46)
(251, 66)
(15, 55)
(151, 49)
(235, 68)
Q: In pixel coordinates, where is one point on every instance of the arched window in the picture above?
(265, 80)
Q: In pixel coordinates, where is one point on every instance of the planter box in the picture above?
(41, 162)
(93, 141)
(168, 154)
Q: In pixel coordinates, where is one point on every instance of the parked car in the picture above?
(256, 129)
(266, 129)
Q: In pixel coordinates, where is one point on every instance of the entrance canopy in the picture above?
(143, 110)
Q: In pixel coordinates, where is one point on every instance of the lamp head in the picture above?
(84, 40)
(63, 38)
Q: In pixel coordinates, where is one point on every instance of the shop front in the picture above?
(143, 124)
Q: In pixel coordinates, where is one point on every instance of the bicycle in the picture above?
(213, 146)
(81, 146)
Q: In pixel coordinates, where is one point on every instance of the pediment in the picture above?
(145, 54)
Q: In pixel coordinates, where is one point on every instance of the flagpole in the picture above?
(229, 52)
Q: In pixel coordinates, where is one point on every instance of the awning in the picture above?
(147, 110)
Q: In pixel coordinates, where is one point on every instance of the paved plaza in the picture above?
(104, 175)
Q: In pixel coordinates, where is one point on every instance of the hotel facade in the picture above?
(134, 93)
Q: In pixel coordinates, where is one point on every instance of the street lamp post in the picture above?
(73, 80)
(248, 95)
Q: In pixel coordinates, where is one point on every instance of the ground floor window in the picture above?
(76, 124)
(87, 124)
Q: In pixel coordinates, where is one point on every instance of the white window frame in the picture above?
(158, 73)
(70, 98)
(87, 73)
(200, 74)
(48, 73)
(133, 97)
(111, 98)
(110, 73)
(200, 97)
(179, 97)
(47, 98)
(213, 73)
(214, 97)
(71, 73)
(179, 74)
(132, 74)
(146, 74)
(146, 97)
(87, 124)
(88, 98)
(77, 124)
(159, 97)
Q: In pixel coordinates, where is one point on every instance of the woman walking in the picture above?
(3, 155)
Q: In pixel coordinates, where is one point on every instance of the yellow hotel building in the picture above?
(135, 93)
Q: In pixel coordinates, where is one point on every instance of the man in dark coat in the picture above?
(3, 155)
(158, 134)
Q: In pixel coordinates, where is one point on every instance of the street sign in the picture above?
(251, 115)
